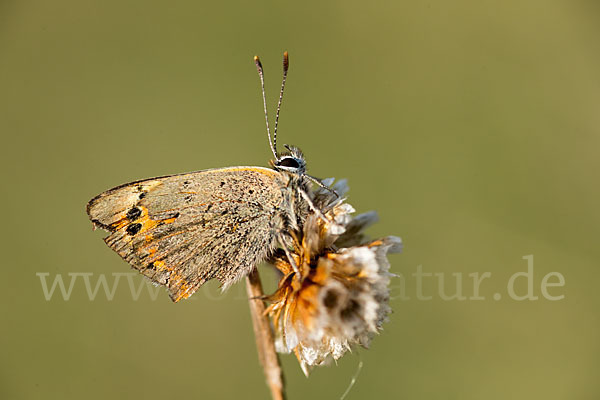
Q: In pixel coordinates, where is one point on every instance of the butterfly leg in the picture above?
(288, 255)
(321, 184)
(312, 206)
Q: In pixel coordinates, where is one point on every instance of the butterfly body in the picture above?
(183, 230)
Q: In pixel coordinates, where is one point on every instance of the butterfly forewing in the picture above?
(183, 230)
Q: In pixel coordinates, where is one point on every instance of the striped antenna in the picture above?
(262, 84)
(286, 65)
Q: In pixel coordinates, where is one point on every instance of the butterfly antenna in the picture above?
(286, 65)
(262, 84)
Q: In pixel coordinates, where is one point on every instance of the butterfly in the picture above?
(185, 229)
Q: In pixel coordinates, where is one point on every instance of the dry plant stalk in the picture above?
(265, 343)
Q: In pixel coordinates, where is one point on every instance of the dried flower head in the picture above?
(339, 297)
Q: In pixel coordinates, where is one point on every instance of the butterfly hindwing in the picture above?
(183, 230)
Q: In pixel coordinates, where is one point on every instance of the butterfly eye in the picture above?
(289, 162)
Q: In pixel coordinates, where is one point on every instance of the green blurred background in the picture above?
(470, 126)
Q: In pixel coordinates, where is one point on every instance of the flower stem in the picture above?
(264, 336)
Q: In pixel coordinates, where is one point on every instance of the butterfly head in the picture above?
(291, 161)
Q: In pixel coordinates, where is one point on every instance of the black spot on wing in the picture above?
(134, 228)
(134, 213)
